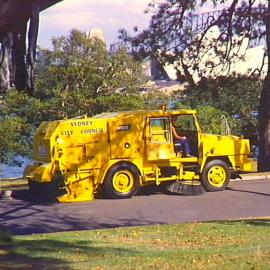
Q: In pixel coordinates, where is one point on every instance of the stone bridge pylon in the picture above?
(19, 23)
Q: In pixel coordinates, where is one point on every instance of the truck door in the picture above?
(124, 137)
(186, 125)
(159, 144)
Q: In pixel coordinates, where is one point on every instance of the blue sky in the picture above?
(110, 15)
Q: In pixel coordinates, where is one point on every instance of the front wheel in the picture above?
(216, 175)
(122, 181)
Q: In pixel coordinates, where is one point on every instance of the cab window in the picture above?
(186, 122)
(160, 131)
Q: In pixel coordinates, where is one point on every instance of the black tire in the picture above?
(122, 181)
(216, 175)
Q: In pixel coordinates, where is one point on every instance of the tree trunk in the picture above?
(264, 109)
(32, 43)
(18, 56)
(4, 69)
(5, 49)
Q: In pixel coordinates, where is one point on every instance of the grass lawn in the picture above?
(215, 245)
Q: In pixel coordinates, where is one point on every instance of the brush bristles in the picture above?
(186, 188)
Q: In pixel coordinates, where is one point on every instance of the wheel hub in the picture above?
(217, 176)
(123, 181)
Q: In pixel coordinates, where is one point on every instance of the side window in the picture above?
(186, 122)
(160, 131)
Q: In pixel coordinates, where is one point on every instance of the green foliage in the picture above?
(12, 139)
(31, 110)
(79, 73)
(211, 120)
(235, 97)
(153, 100)
(119, 102)
(20, 116)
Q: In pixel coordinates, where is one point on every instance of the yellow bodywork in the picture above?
(236, 149)
(84, 150)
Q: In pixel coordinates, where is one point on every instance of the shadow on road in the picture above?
(28, 196)
(248, 191)
(149, 190)
(24, 215)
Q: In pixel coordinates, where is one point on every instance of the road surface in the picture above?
(243, 199)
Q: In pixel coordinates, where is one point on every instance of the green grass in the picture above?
(215, 245)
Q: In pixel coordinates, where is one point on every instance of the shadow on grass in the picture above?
(258, 222)
(13, 255)
(53, 254)
(261, 222)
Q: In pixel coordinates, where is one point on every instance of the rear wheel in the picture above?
(216, 175)
(122, 181)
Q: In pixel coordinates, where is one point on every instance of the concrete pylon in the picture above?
(96, 33)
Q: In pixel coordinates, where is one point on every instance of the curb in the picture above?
(255, 176)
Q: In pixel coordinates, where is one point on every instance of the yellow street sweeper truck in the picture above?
(116, 153)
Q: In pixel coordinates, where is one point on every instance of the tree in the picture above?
(177, 34)
(79, 72)
(20, 115)
(12, 141)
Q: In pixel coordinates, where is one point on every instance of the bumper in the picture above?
(37, 172)
(250, 165)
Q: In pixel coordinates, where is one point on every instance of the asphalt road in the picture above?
(243, 199)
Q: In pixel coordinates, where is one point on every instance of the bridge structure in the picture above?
(196, 24)
(19, 23)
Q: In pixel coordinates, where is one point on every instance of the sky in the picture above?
(110, 15)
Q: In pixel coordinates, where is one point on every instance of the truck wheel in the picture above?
(121, 181)
(216, 175)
